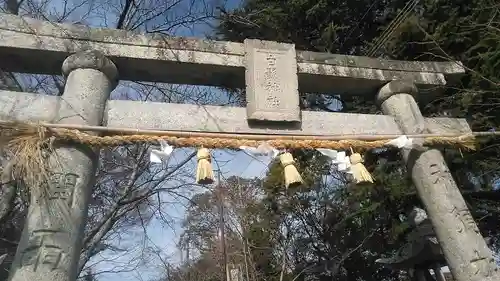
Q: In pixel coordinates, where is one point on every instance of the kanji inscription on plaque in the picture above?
(271, 81)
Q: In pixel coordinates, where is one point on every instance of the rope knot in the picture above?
(203, 158)
(203, 154)
(286, 160)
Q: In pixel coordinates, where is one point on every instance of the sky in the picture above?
(166, 238)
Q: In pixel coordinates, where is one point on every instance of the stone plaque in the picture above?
(271, 81)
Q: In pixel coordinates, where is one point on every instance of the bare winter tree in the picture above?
(129, 192)
(210, 253)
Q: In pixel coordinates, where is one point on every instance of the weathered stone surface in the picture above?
(91, 59)
(271, 81)
(34, 46)
(325, 78)
(378, 63)
(27, 106)
(166, 116)
(186, 117)
(51, 242)
(397, 87)
(465, 250)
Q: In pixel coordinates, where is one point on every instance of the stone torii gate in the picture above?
(273, 73)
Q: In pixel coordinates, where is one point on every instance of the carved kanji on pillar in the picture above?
(61, 186)
(52, 238)
(465, 250)
(43, 251)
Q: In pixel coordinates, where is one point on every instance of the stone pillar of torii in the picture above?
(465, 250)
(51, 242)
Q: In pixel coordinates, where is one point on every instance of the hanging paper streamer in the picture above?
(204, 173)
(343, 162)
(330, 153)
(292, 176)
(401, 142)
(158, 156)
(263, 150)
(359, 171)
(339, 158)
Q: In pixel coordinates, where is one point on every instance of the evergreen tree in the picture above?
(466, 31)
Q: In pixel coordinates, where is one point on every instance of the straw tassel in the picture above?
(359, 171)
(204, 173)
(292, 176)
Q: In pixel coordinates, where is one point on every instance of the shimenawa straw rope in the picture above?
(29, 143)
(127, 136)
